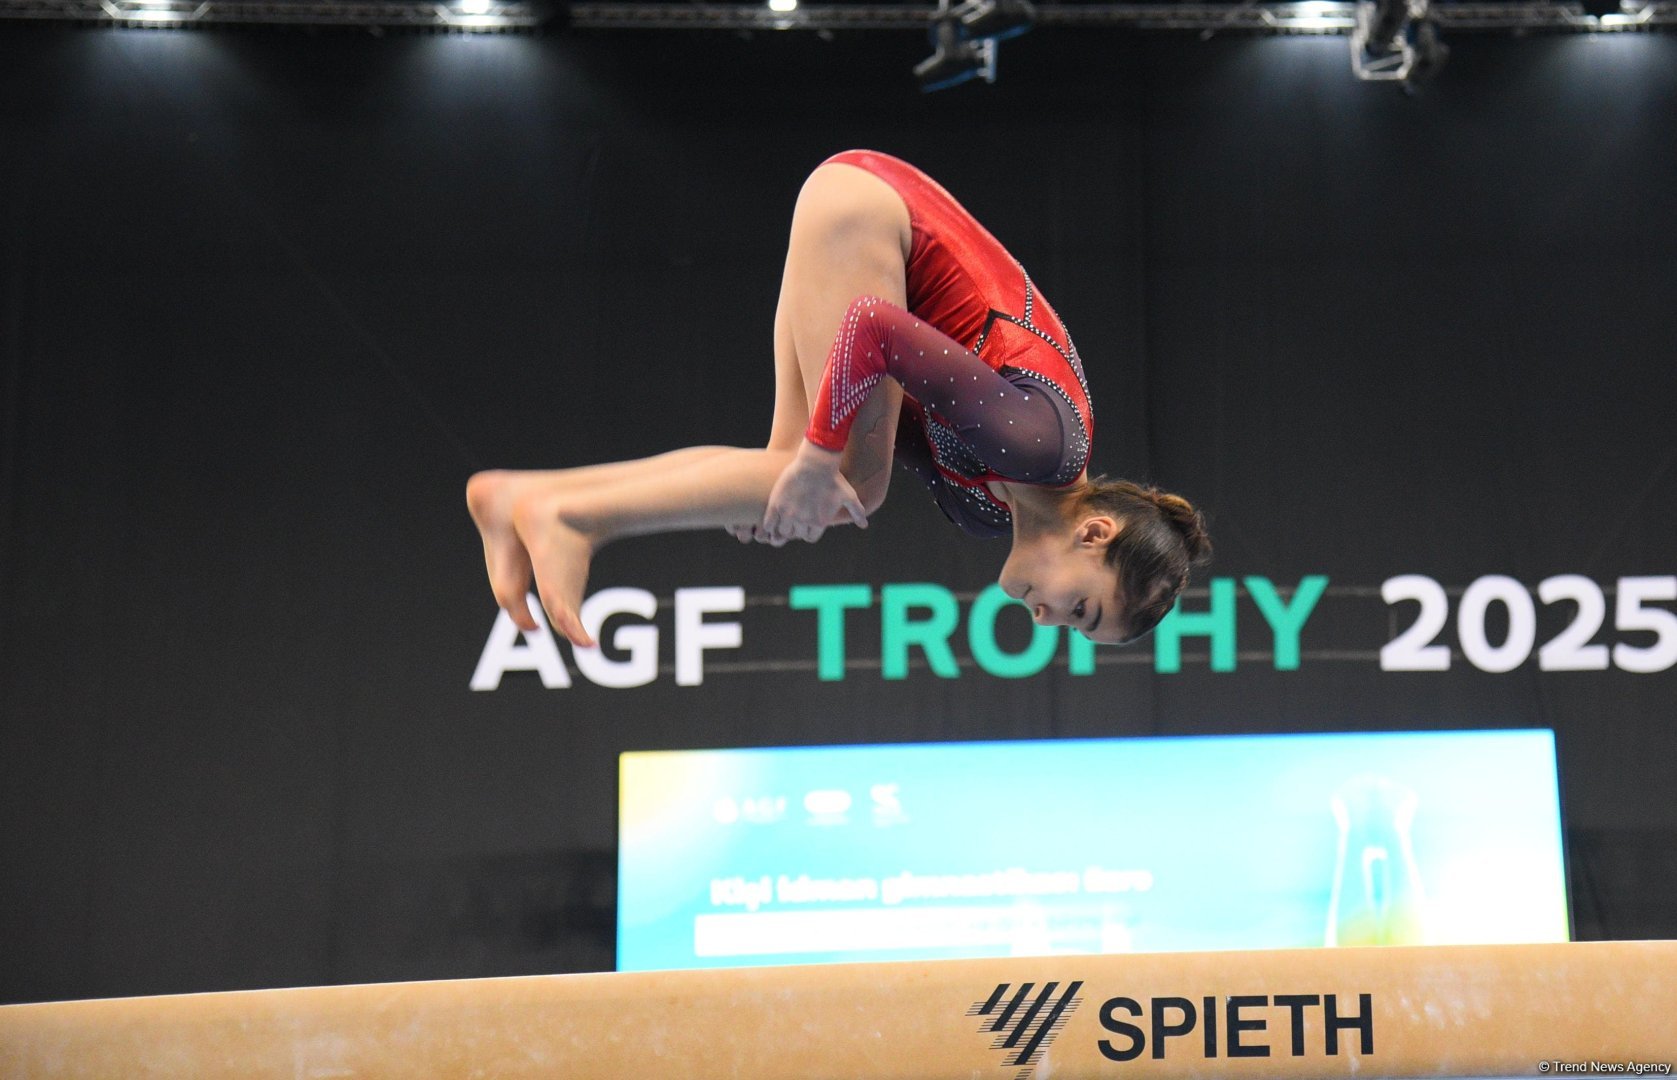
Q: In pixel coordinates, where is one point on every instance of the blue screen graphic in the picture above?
(928, 851)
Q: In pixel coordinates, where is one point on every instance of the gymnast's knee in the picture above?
(842, 205)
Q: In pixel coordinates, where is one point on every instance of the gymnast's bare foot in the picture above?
(527, 534)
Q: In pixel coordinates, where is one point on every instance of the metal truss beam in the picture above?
(496, 17)
(1272, 18)
(1308, 17)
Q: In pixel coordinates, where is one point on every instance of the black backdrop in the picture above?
(269, 298)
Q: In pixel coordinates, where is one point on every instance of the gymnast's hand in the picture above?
(811, 495)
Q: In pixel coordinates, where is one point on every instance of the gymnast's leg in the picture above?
(495, 499)
(848, 239)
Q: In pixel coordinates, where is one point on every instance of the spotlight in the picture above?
(956, 59)
(1316, 15)
(783, 6)
(156, 12)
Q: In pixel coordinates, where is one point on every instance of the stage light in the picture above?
(475, 15)
(964, 39)
(156, 12)
(1627, 19)
(1318, 15)
(956, 59)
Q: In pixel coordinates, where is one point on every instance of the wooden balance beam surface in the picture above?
(1477, 1011)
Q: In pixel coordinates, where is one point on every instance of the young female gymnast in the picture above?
(945, 358)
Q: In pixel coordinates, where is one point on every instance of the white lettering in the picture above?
(739, 892)
(640, 642)
(502, 653)
(693, 635)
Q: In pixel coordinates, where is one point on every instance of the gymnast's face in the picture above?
(1063, 578)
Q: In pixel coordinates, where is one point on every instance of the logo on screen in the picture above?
(1025, 1021)
(887, 805)
(828, 807)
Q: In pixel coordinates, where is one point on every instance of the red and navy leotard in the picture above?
(993, 388)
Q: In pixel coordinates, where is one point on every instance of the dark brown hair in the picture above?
(1162, 536)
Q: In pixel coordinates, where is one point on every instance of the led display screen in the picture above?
(925, 851)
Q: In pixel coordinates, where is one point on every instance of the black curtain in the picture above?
(268, 298)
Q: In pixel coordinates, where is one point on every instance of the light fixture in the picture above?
(964, 40)
(154, 12)
(1380, 24)
(1626, 18)
(955, 60)
(1311, 15)
(783, 6)
(1396, 41)
(482, 16)
(995, 20)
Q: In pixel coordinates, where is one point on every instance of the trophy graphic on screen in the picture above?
(1377, 897)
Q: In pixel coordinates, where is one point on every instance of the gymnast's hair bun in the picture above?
(1163, 535)
(1182, 516)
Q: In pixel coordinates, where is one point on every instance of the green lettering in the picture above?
(1216, 624)
(1286, 620)
(829, 602)
(899, 633)
(981, 637)
(1080, 654)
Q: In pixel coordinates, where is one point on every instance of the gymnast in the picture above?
(904, 332)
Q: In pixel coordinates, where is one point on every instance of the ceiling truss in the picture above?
(1307, 17)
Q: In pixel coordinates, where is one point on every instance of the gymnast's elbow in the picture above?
(871, 490)
(868, 457)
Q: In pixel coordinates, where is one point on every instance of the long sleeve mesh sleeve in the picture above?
(1016, 432)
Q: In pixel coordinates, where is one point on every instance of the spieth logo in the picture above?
(1025, 1023)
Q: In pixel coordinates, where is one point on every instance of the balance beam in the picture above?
(1477, 1011)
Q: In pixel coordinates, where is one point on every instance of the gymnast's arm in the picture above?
(872, 446)
(878, 341)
